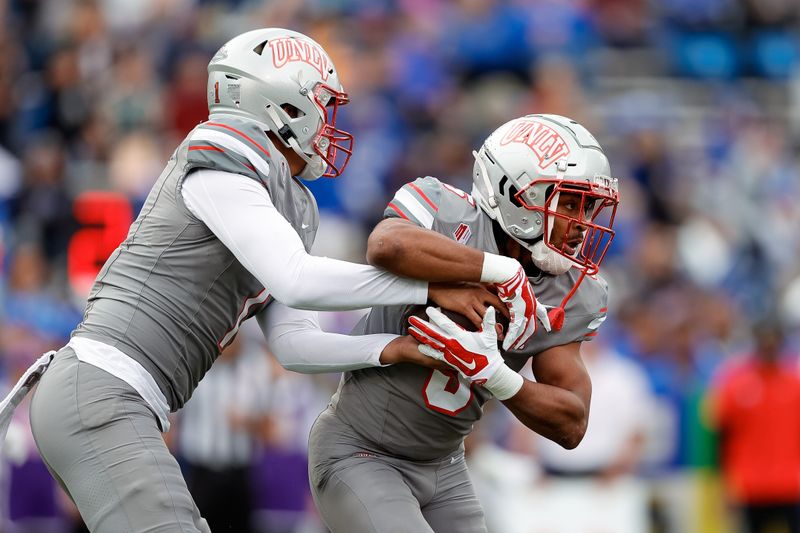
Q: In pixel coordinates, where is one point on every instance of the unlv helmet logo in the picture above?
(545, 142)
(289, 49)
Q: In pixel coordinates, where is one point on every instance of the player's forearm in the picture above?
(555, 413)
(299, 344)
(314, 352)
(323, 284)
(414, 252)
(411, 251)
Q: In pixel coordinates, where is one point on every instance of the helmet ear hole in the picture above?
(512, 196)
(501, 186)
(292, 111)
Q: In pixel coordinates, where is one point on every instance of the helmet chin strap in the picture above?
(548, 260)
(489, 203)
(315, 166)
(490, 200)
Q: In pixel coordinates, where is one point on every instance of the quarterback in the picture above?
(387, 454)
(223, 236)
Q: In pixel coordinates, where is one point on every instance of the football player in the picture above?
(387, 454)
(223, 236)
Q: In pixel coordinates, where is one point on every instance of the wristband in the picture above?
(498, 268)
(504, 383)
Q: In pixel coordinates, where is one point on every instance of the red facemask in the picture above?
(332, 144)
(591, 226)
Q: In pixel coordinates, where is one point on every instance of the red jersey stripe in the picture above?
(397, 210)
(419, 191)
(234, 130)
(212, 148)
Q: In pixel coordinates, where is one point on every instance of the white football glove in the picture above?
(474, 354)
(517, 293)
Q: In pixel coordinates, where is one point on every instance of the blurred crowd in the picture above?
(697, 104)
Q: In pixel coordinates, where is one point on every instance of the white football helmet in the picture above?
(285, 80)
(522, 168)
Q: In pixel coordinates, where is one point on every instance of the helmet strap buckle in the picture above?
(286, 133)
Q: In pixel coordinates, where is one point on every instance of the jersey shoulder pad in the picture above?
(230, 144)
(456, 206)
(417, 201)
(587, 309)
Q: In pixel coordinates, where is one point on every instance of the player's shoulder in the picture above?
(428, 199)
(586, 309)
(591, 296)
(232, 144)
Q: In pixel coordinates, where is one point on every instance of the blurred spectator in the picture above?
(591, 488)
(596, 481)
(34, 320)
(186, 96)
(614, 441)
(483, 37)
(623, 22)
(134, 100)
(281, 473)
(219, 432)
(755, 406)
(42, 210)
(134, 164)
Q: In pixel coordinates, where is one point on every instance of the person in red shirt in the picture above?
(756, 409)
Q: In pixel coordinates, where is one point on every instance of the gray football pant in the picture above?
(359, 490)
(102, 443)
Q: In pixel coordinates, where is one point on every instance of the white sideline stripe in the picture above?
(407, 200)
(233, 144)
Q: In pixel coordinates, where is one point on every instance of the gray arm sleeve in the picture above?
(295, 338)
(239, 211)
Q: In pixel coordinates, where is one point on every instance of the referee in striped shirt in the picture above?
(218, 434)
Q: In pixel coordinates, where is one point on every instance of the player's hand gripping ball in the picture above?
(475, 354)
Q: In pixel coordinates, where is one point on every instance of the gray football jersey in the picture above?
(423, 414)
(172, 296)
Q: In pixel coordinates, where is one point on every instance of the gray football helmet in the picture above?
(286, 81)
(526, 163)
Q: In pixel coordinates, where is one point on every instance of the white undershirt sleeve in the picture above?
(295, 338)
(239, 211)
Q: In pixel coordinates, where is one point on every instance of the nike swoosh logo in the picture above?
(303, 226)
(469, 366)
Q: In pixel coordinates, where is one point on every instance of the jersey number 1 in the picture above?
(446, 392)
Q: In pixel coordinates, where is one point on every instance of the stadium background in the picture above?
(697, 104)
